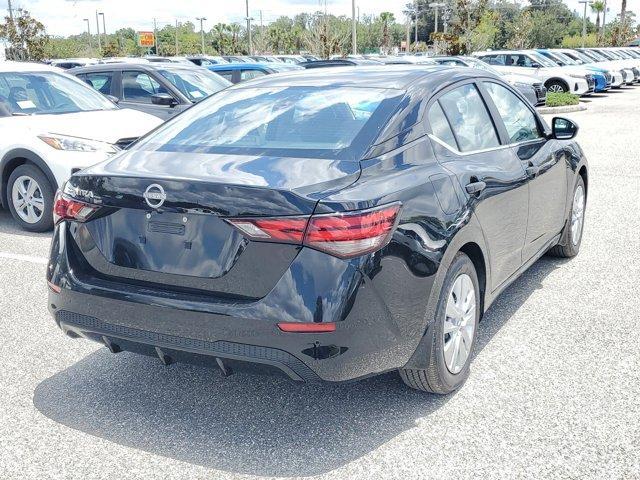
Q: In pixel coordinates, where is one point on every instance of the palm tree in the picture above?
(598, 8)
(235, 30)
(220, 30)
(387, 18)
(623, 12)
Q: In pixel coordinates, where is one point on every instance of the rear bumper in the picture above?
(379, 322)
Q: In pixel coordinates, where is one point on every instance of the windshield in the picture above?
(566, 58)
(542, 60)
(195, 84)
(479, 64)
(604, 55)
(578, 57)
(594, 55)
(284, 121)
(40, 93)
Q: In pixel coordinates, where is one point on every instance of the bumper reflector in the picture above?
(299, 327)
(53, 287)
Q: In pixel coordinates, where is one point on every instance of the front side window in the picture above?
(40, 93)
(495, 59)
(519, 121)
(469, 118)
(282, 121)
(139, 87)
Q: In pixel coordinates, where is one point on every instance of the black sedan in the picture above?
(161, 89)
(331, 224)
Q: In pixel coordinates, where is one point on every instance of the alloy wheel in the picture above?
(555, 88)
(577, 215)
(459, 323)
(27, 199)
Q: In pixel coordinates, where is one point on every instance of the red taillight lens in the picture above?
(343, 235)
(304, 327)
(352, 234)
(65, 208)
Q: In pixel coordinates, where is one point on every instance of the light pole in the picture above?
(104, 28)
(604, 17)
(202, 19)
(415, 7)
(249, 29)
(436, 6)
(98, 32)
(584, 21)
(354, 47)
(89, 32)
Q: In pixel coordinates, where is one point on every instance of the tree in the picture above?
(220, 37)
(521, 32)
(386, 18)
(26, 35)
(483, 36)
(598, 8)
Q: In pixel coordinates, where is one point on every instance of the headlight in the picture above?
(74, 144)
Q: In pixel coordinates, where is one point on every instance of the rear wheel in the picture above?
(453, 334)
(574, 224)
(556, 86)
(30, 198)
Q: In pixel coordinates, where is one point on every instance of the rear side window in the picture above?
(440, 125)
(494, 59)
(469, 118)
(226, 74)
(518, 119)
(249, 74)
(99, 81)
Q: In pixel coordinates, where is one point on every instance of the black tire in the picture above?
(556, 84)
(437, 378)
(45, 223)
(572, 246)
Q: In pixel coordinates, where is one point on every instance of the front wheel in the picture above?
(453, 334)
(30, 198)
(574, 224)
(554, 86)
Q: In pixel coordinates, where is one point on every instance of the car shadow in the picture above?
(9, 225)
(249, 423)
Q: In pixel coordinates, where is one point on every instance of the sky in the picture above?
(65, 17)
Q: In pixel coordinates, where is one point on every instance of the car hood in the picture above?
(104, 125)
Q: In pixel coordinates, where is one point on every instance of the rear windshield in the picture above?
(335, 122)
(195, 84)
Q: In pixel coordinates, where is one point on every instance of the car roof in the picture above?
(10, 66)
(398, 77)
(138, 66)
(237, 66)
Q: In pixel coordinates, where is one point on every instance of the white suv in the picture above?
(52, 125)
(555, 78)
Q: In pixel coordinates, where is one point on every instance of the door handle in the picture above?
(475, 188)
(533, 171)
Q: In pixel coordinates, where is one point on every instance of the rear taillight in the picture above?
(65, 208)
(343, 235)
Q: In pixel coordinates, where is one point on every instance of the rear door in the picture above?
(466, 142)
(543, 161)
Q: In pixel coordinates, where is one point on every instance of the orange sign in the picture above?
(146, 39)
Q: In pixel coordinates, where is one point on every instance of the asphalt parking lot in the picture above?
(554, 389)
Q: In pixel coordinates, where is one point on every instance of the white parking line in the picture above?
(24, 258)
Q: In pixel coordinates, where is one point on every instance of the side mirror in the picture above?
(535, 65)
(563, 128)
(113, 99)
(163, 99)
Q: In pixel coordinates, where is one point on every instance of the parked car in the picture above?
(621, 55)
(530, 87)
(204, 60)
(635, 43)
(52, 125)
(403, 60)
(160, 89)
(237, 59)
(601, 76)
(67, 63)
(292, 59)
(598, 58)
(250, 228)
(617, 75)
(239, 72)
(341, 62)
(555, 79)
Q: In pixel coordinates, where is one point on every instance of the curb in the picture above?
(565, 109)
